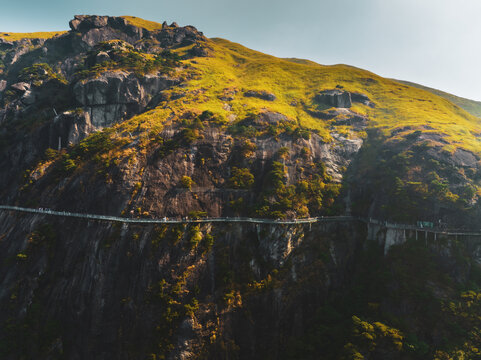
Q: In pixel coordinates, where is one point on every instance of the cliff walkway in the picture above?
(388, 225)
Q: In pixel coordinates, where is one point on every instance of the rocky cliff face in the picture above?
(81, 289)
(66, 107)
(102, 290)
(113, 118)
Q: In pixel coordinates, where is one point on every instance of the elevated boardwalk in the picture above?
(373, 223)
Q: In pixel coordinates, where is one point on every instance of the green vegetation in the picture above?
(123, 56)
(308, 197)
(145, 24)
(241, 178)
(186, 182)
(410, 179)
(195, 236)
(397, 105)
(39, 73)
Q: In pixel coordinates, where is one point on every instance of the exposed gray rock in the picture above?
(3, 85)
(357, 121)
(271, 118)
(465, 158)
(94, 29)
(335, 98)
(460, 157)
(88, 22)
(5, 44)
(433, 136)
(115, 96)
(71, 127)
(19, 48)
(341, 116)
(361, 98)
(264, 95)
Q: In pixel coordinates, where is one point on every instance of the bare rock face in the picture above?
(270, 118)
(12, 51)
(361, 98)
(3, 85)
(115, 96)
(460, 158)
(335, 98)
(94, 29)
(70, 127)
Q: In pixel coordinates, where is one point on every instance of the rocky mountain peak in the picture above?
(95, 29)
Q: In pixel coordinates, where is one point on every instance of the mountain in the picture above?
(129, 118)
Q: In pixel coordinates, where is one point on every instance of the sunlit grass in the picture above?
(12, 36)
(296, 82)
(146, 24)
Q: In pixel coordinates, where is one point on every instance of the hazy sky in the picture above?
(432, 42)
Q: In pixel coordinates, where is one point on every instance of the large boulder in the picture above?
(335, 98)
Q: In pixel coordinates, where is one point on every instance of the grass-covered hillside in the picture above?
(416, 146)
(13, 36)
(236, 68)
(471, 106)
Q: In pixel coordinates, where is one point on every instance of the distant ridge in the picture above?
(471, 106)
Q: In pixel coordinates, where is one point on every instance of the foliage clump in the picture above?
(307, 197)
(241, 178)
(186, 182)
(38, 73)
(119, 55)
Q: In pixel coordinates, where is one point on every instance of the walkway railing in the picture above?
(239, 220)
(176, 220)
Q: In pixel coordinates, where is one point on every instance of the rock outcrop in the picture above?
(69, 128)
(342, 99)
(115, 96)
(264, 95)
(361, 98)
(95, 29)
(336, 98)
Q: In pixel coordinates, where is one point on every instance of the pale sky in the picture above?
(436, 43)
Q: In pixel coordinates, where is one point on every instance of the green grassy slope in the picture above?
(234, 69)
(12, 36)
(471, 106)
(237, 68)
